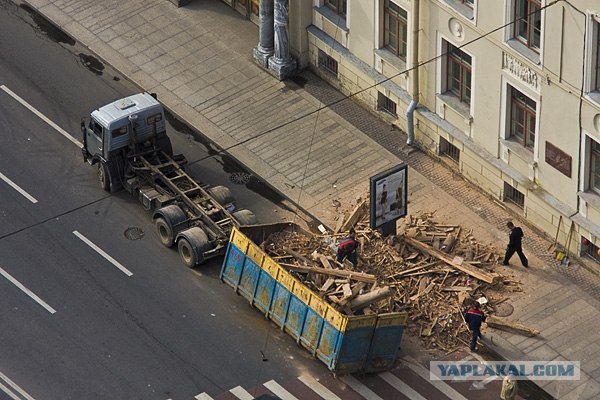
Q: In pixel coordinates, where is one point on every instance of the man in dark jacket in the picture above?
(474, 318)
(514, 245)
(347, 248)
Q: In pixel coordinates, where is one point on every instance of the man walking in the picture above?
(474, 317)
(514, 245)
(347, 248)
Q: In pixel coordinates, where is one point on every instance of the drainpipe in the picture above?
(413, 72)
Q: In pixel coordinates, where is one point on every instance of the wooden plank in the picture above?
(356, 215)
(357, 276)
(327, 284)
(505, 325)
(347, 290)
(324, 261)
(373, 296)
(488, 277)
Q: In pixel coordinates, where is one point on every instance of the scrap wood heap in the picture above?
(430, 270)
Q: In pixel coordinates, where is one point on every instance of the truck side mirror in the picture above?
(83, 125)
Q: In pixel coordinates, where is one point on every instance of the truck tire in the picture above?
(221, 194)
(104, 176)
(169, 221)
(245, 217)
(191, 244)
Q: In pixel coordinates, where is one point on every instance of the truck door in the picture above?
(95, 138)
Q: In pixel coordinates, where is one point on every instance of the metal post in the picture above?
(265, 47)
(281, 64)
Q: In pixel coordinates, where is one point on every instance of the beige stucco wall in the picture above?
(486, 158)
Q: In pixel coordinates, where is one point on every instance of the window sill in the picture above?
(591, 198)
(518, 149)
(461, 8)
(332, 17)
(594, 96)
(455, 104)
(519, 47)
(396, 62)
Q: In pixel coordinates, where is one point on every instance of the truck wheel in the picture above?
(168, 221)
(245, 217)
(221, 194)
(104, 176)
(191, 245)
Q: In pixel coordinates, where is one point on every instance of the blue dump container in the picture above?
(346, 344)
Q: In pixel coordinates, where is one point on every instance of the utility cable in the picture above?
(346, 97)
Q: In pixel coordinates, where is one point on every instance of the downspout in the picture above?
(413, 72)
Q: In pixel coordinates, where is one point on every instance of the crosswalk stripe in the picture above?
(279, 391)
(400, 386)
(359, 388)
(439, 385)
(318, 388)
(241, 393)
(203, 396)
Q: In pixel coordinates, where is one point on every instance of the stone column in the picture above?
(264, 50)
(281, 64)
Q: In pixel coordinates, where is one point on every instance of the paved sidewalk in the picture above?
(198, 59)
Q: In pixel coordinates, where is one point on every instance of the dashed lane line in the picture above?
(41, 116)
(17, 188)
(103, 253)
(27, 291)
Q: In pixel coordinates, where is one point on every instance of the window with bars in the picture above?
(339, 6)
(589, 249)
(458, 78)
(449, 150)
(522, 118)
(513, 195)
(395, 27)
(328, 63)
(386, 104)
(528, 23)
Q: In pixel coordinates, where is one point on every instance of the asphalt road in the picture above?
(87, 312)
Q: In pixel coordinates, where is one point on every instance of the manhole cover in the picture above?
(503, 309)
(240, 178)
(134, 233)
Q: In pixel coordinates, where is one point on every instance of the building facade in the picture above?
(506, 91)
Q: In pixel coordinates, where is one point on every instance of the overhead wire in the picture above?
(349, 96)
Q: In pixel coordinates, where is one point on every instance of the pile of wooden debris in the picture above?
(430, 270)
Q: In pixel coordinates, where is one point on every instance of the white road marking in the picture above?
(16, 387)
(359, 388)
(400, 386)
(9, 392)
(17, 188)
(203, 396)
(103, 253)
(279, 391)
(318, 388)
(480, 385)
(241, 393)
(41, 116)
(439, 385)
(27, 291)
